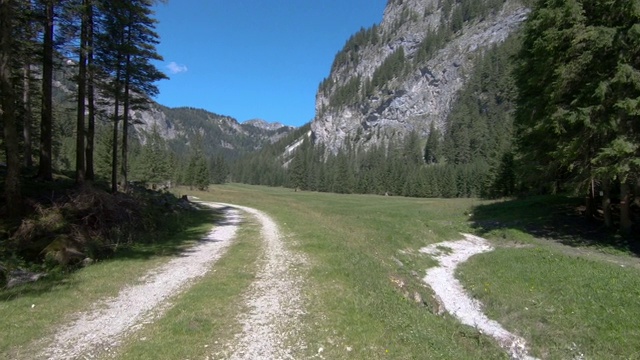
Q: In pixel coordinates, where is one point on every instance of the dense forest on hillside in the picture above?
(553, 109)
(472, 158)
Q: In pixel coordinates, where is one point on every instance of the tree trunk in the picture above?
(46, 122)
(606, 203)
(27, 122)
(625, 208)
(590, 202)
(82, 82)
(125, 127)
(91, 116)
(636, 192)
(12, 190)
(114, 154)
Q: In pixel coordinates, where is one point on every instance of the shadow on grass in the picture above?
(554, 218)
(179, 234)
(54, 281)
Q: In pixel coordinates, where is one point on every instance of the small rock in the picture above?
(320, 350)
(19, 277)
(417, 298)
(398, 262)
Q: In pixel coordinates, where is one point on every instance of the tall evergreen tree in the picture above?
(154, 159)
(125, 50)
(46, 111)
(432, 150)
(579, 87)
(12, 188)
(82, 91)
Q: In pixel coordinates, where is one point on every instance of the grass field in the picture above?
(364, 275)
(361, 248)
(565, 300)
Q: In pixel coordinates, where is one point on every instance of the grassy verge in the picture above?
(568, 286)
(365, 271)
(203, 320)
(33, 311)
(564, 305)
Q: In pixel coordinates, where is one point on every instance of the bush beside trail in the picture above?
(86, 224)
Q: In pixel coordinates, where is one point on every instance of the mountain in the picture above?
(263, 124)
(405, 73)
(179, 126)
(220, 134)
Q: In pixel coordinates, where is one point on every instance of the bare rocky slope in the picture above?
(440, 39)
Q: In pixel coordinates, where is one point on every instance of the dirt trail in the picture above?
(457, 302)
(101, 329)
(270, 330)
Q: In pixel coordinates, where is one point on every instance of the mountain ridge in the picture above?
(420, 90)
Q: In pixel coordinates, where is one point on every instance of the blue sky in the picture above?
(254, 58)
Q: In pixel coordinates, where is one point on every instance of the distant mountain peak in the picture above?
(263, 124)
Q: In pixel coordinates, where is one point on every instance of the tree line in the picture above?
(578, 106)
(111, 45)
(470, 157)
(554, 109)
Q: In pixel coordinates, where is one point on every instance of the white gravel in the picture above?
(270, 329)
(457, 302)
(100, 330)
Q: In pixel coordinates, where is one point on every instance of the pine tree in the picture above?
(125, 50)
(154, 159)
(12, 186)
(579, 87)
(432, 147)
(46, 111)
(197, 171)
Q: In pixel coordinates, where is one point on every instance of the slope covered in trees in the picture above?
(570, 78)
(471, 158)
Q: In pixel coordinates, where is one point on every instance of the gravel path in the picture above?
(270, 329)
(100, 330)
(457, 302)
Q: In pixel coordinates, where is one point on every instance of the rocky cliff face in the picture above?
(440, 40)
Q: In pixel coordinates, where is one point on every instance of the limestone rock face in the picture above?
(421, 94)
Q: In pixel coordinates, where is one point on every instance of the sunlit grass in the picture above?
(565, 305)
(360, 247)
(203, 320)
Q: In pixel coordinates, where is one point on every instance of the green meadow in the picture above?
(364, 295)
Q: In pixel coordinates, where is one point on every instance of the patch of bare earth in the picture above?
(455, 299)
(270, 328)
(100, 330)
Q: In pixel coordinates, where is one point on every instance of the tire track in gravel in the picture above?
(271, 328)
(101, 330)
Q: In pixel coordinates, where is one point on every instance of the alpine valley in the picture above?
(418, 105)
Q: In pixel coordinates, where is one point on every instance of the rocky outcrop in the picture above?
(425, 91)
(262, 124)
